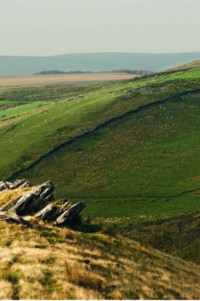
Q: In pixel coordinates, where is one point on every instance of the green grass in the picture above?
(132, 157)
(137, 211)
(19, 110)
(60, 121)
(139, 167)
(38, 131)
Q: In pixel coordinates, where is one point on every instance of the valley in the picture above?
(129, 149)
(133, 142)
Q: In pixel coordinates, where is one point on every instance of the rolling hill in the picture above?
(95, 62)
(129, 149)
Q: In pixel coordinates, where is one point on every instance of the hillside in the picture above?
(96, 62)
(179, 236)
(194, 64)
(41, 261)
(134, 143)
(45, 263)
(128, 150)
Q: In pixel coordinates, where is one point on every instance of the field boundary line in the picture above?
(102, 125)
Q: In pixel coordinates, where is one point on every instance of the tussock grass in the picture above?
(83, 278)
(7, 196)
(89, 266)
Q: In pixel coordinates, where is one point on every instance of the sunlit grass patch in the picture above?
(7, 196)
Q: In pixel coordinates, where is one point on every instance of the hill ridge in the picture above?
(97, 62)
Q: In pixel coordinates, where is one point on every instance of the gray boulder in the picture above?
(69, 217)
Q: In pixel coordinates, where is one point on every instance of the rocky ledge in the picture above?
(39, 202)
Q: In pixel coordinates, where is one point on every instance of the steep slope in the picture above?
(47, 263)
(178, 236)
(11, 65)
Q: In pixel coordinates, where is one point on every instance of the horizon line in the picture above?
(99, 52)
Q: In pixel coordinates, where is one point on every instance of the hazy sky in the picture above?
(47, 27)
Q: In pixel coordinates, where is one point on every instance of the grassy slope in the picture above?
(145, 154)
(145, 160)
(49, 263)
(71, 116)
(123, 162)
(178, 236)
(135, 169)
(77, 111)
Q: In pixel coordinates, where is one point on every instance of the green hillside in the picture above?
(96, 62)
(130, 149)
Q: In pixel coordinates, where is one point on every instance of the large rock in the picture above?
(36, 202)
(69, 217)
(5, 185)
(48, 213)
(33, 199)
(44, 190)
(22, 183)
(12, 217)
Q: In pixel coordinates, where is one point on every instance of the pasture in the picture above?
(129, 149)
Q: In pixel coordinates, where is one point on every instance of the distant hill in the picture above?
(194, 64)
(95, 62)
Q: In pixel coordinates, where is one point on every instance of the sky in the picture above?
(50, 27)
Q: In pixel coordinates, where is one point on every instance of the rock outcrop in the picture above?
(69, 216)
(5, 185)
(39, 202)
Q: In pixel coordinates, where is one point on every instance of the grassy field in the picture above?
(130, 149)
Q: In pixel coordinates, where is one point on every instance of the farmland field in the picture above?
(35, 80)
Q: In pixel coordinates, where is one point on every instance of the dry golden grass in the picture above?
(49, 263)
(61, 79)
(44, 262)
(7, 196)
